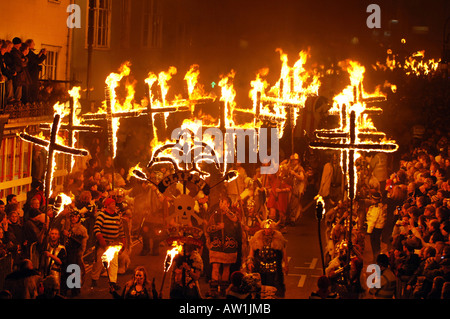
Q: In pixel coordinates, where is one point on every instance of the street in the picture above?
(305, 265)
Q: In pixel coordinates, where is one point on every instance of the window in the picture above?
(15, 167)
(152, 24)
(50, 65)
(101, 23)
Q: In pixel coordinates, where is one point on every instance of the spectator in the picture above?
(24, 282)
(51, 289)
(16, 233)
(6, 70)
(323, 292)
(34, 230)
(388, 280)
(35, 61)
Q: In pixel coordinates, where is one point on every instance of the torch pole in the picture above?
(166, 269)
(319, 216)
(105, 265)
(162, 284)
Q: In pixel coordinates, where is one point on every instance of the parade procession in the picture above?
(195, 150)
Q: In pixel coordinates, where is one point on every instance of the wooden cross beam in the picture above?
(71, 127)
(52, 146)
(178, 106)
(291, 105)
(348, 142)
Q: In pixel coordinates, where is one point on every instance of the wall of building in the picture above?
(44, 21)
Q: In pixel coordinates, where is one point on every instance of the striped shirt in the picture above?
(110, 226)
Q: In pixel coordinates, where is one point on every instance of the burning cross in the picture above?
(52, 146)
(294, 87)
(349, 142)
(291, 105)
(179, 106)
(110, 117)
(72, 127)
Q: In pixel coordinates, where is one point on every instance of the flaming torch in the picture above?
(176, 249)
(108, 256)
(320, 212)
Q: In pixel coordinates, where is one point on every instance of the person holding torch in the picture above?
(108, 231)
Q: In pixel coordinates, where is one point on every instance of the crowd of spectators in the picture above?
(20, 66)
(402, 212)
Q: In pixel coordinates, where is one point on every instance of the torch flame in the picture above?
(109, 254)
(177, 248)
(65, 200)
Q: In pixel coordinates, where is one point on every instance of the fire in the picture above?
(356, 131)
(109, 254)
(196, 90)
(113, 81)
(170, 255)
(61, 109)
(228, 95)
(290, 92)
(320, 200)
(413, 65)
(75, 95)
(191, 79)
(163, 78)
(65, 200)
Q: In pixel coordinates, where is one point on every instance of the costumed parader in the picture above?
(75, 240)
(225, 239)
(187, 269)
(267, 256)
(296, 178)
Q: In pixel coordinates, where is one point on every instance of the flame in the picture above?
(353, 99)
(163, 78)
(413, 65)
(170, 255)
(292, 89)
(113, 81)
(191, 79)
(61, 109)
(319, 199)
(65, 200)
(131, 171)
(109, 254)
(228, 95)
(75, 95)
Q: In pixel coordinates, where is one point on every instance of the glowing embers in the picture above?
(416, 64)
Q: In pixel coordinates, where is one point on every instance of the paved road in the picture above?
(303, 250)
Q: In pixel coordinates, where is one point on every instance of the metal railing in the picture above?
(2, 95)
